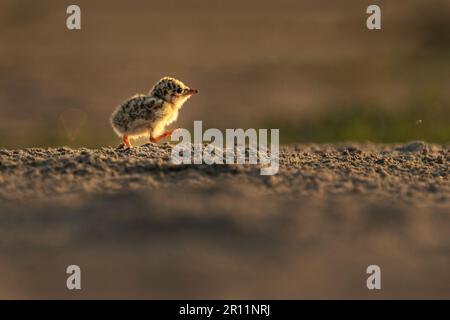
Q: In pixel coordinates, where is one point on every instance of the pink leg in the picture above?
(164, 135)
(126, 141)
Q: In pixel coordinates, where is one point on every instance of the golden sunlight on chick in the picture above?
(149, 114)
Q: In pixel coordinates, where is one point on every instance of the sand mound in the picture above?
(197, 231)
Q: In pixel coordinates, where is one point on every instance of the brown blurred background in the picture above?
(310, 68)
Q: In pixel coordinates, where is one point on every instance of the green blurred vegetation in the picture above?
(425, 119)
(428, 121)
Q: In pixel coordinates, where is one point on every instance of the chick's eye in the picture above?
(179, 90)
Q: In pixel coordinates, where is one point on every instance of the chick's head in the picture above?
(172, 90)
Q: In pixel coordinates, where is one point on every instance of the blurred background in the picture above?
(142, 229)
(310, 68)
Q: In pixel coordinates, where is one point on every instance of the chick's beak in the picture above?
(191, 92)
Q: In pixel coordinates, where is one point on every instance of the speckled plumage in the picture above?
(149, 114)
(136, 114)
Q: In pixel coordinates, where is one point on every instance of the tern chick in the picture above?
(149, 114)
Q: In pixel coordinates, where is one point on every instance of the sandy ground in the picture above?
(141, 227)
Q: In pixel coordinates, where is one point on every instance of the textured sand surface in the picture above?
(141, 227)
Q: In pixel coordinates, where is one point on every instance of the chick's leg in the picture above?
(126, 141)
(162, 136)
